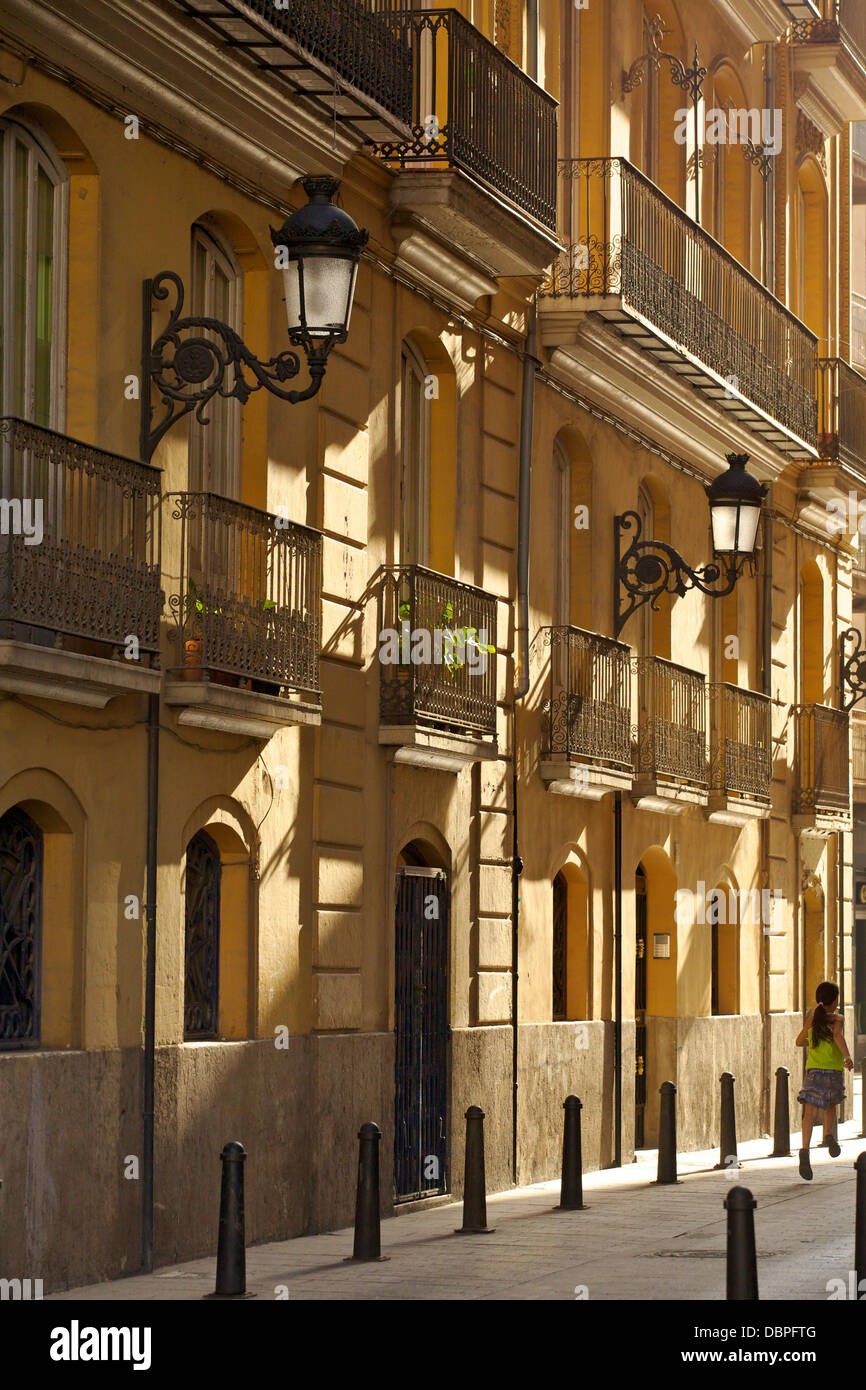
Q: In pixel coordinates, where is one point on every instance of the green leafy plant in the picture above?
(455, 639)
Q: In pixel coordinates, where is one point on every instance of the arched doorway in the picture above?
(20, 930)
(202, 938)
(421, 1031)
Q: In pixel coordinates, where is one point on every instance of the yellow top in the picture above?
(825, 1055)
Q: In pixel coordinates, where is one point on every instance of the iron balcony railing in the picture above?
(627, 238)
(248, 609)
(434, 668)
(473, 109)
(672, 722)
(823, 762)
(841, 413)
(361, 41)
(843, 21)
(740, 747)
(588, 713)
(79, 541)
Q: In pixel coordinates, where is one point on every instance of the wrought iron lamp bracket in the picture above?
(689, 79)
(852, 669)
(648, 569)
(190, 371)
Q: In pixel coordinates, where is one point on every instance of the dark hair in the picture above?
(826, 994)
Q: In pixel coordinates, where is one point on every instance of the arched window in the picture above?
(812, 645)
(562, 550)
(202, 953)
(723, 916)
(217, 293)
(20, 930)
(415, 464)
(813, 251)
(34, 203)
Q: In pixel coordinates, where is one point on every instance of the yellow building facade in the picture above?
(267, 874)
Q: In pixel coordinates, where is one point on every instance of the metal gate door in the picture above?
(640, 1008)
(421, 1034)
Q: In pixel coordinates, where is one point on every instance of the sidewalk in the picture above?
(634, 1241)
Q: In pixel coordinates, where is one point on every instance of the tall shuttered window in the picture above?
(33, 215)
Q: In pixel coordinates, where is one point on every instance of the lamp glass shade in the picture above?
(319, 292)
(735, 527)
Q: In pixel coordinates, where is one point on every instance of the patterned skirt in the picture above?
(822, 1088)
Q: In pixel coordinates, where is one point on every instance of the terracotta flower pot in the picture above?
(192, 659)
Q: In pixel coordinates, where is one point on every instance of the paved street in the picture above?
(634, 1241)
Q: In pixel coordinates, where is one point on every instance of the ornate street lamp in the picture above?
(648, 569)
(318, 249)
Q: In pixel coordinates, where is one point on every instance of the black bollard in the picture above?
(474, 1193)
(860, 1224)
(367, 1246)
(782, 1121)
(231, 1270)
(667, 1169)
(742, 1262)
(863, 1099)
(728, 1126)
(571, 1191)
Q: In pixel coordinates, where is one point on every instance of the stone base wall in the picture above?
(71, 1122)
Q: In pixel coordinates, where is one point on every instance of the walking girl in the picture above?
(826, 1061)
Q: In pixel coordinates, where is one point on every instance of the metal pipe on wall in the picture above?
(147, 1182)
(532, 39)
(767, 688)
(522, 685)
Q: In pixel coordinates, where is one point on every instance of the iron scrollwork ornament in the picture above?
(650, 568)
(189, 371)
(852, 667)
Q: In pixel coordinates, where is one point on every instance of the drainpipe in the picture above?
(150, 983)
(532, 39)
(617, 950)
(767, 687)
(522, 685)
(770, 181)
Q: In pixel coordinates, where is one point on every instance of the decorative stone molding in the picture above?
(810, 140)
(502, 26)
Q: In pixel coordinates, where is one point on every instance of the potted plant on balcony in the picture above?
(456, 640)
(194, 652)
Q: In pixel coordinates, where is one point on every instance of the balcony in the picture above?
(80, 597)
(636, 259)
(671, 755)
(479, 168)
(740, 755)
(822, 797)
(307, 44)
(824, 485)
(437, 681)
(828, 59)
(248, 619)
(587, 746)
(842, 415)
